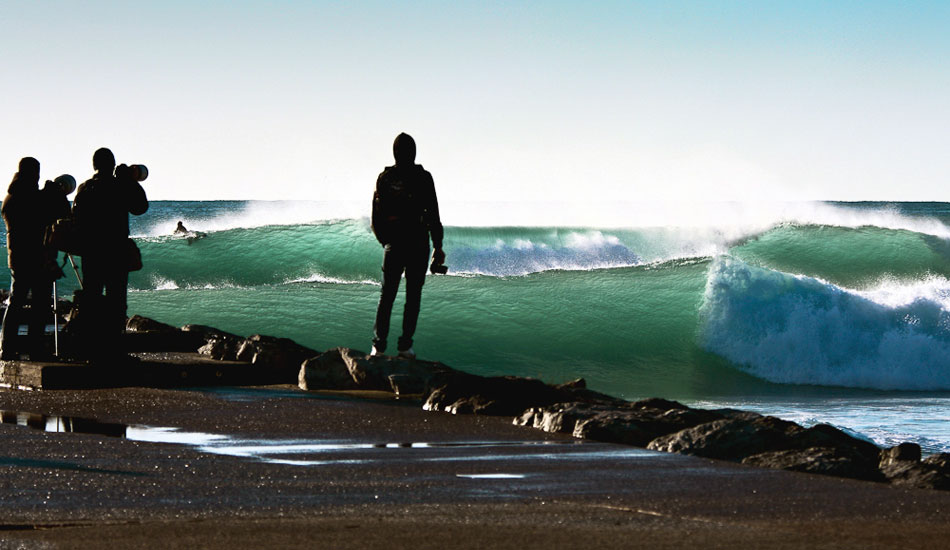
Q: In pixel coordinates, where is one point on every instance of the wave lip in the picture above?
(801, 330)
(582, 251)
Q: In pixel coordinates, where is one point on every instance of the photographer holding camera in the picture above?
(101, 210)
(27, 212)
(405, 214)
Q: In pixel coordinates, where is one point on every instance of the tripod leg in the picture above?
(55, 324)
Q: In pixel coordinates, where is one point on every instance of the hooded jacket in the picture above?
(26, 220)
(405, 207)
(101, 209)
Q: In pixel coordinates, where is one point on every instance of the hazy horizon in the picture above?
(508, 101)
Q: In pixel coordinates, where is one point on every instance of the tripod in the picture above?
(72, 262)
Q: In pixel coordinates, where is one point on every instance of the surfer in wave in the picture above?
(190, 236)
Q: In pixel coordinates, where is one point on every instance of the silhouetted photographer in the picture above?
(405, 216)
(27, 213)
(101, 212)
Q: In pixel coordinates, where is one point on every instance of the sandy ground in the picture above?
(277, 467)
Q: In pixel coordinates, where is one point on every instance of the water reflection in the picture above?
(321, 452)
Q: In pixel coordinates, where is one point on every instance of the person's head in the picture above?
(404, 149)
(29, 169)
(103, 161)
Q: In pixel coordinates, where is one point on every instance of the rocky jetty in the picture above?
(657, 424)
(571, 408)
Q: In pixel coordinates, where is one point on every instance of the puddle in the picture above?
(492, 476)
(321, 452)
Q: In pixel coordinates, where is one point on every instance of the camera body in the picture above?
(438, 269)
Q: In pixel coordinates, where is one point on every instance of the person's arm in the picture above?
(378, 224)
(137, 201)
(434, 222)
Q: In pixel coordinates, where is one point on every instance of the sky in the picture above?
(508, 101)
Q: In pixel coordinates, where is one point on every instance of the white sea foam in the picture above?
(580, 251)
(265, 213)
(321, 278)
(162, 283)
(801, 330)
(720, 221)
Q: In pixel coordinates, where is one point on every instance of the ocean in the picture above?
(813, 312)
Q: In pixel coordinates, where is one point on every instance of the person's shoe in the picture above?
(407, 353)
(376, 352)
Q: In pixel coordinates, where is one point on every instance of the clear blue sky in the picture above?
(507, 100)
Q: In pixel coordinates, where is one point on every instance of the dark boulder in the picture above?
(138, 323)
(901, 467)
(463, 393)
(221, 349)
(832, 461)
(729, 439)
(348, 369)
(826, 435)
(899, 456)
(283, 356)
(210, 332)
(635, 423)
(215, 343)
(640, 426)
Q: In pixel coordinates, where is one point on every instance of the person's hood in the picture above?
(404, 150)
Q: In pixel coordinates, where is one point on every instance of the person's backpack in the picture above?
(395, 208)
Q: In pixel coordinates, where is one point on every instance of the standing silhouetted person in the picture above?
(101, 210)
(405, 215)
(26, 214)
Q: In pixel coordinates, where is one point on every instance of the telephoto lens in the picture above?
(139, 172)
(66, 182)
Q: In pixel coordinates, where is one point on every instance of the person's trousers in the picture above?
(413, 260)
(104, 314)
(27, 282)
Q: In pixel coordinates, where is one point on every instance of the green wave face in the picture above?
(630, 331)
(674, 311)
(850, 257)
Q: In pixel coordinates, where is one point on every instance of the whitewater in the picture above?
(814, 312)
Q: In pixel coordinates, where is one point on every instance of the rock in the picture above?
(832, 461)
(282, 355)
(900, 468)
(641, 425)
(326, 371)
(729, 439)
(215, 343)
(210, 332)
(345, 368)
(560, 417)
(221, 349)
(899, 456)
(137, 323)
(631, 423)
(745, 435)
(504, 395)
(939, 460)
(826, 435)
(406, 384)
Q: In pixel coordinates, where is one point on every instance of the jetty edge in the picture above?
(200, 355)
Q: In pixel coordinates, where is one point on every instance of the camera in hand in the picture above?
(438, 269)
(135, 172)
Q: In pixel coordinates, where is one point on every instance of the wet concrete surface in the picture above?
(281, 459)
